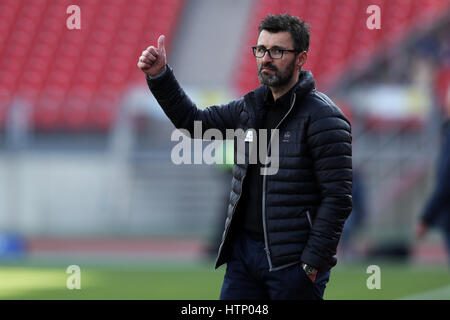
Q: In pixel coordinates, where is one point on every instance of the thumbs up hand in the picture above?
(153, 60)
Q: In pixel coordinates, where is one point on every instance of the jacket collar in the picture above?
(304, 85)
(254, 100)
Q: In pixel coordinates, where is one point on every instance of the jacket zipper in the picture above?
(309, 218)
(266, 242)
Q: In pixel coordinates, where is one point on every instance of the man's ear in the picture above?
(301, 59)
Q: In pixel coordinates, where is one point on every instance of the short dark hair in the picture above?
(298, 29)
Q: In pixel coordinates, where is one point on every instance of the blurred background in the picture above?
(86, 176)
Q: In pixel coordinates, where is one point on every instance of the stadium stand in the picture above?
(340, 40)
(74, 79)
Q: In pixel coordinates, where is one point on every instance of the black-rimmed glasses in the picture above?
(274, 52)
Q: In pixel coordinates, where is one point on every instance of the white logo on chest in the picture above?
(286, 136)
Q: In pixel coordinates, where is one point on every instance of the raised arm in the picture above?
(174, 101)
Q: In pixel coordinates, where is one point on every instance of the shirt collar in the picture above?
(283, 100)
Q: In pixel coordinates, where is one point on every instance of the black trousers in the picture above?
(247, 276)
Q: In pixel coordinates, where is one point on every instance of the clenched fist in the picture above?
(153, 60)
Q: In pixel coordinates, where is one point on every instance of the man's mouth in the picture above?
(268, 69)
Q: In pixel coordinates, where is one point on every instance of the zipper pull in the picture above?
(267, 251)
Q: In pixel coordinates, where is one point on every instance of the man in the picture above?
(283, 229)
(437, 209)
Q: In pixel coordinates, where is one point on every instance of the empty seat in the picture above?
(40, 57)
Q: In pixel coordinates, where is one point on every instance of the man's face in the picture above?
(276, 72)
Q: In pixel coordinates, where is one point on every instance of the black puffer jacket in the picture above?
(306, 203)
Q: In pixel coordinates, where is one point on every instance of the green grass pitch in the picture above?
(181, 280)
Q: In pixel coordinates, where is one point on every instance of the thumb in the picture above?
(161, 44)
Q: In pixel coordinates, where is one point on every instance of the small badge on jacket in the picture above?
(286, 136)
(249, 136)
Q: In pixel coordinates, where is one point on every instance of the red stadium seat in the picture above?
(64, 73)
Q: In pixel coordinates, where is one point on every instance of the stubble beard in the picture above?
(277, 79)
